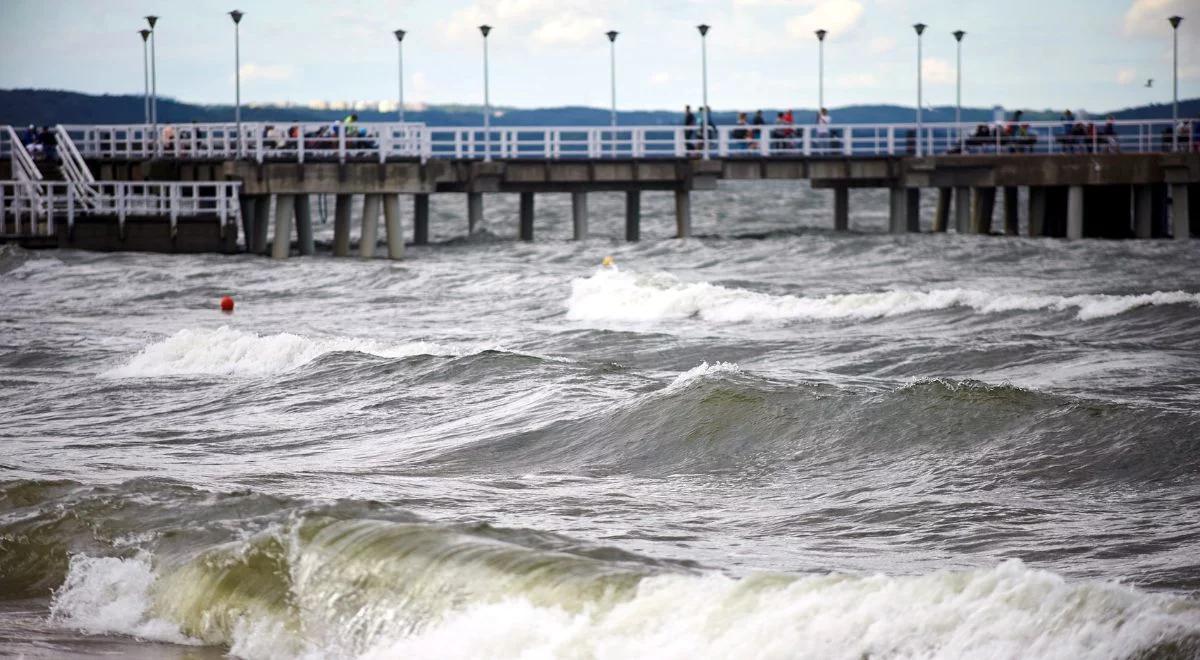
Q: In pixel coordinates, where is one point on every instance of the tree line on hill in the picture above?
(21, 107)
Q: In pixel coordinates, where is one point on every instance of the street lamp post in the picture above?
(237, 76)
(704, 81)
(958, 36)
(920, 28)
(146, 70)
(153, 20)
(400, 47)
(820, 69)
(487, 102)
(1175, 21)
(612, 68)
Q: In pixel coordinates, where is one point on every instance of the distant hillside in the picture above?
(32, 106)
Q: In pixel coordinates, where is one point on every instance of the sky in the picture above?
(1094, 54)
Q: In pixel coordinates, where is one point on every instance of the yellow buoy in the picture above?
(607, 262)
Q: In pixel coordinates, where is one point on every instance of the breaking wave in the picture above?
(342, 582)
(614, 295)
(228, 351)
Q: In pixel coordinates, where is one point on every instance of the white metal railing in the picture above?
(22, 212)
(75, 169)
(23, 166)
(304, 142)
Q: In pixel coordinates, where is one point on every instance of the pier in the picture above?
(199, 187)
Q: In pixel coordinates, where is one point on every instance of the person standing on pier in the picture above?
(689, 135)
(823, 128)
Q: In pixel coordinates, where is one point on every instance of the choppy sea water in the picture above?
(770, 441)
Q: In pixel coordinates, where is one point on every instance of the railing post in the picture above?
(342, 142)
(848, 140)
(70, 209)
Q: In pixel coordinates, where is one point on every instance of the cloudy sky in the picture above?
(1094, 54)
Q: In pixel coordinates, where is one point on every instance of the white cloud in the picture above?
(550, 23)
(1149, 17)
(270, 72)
(568, 30)
(660, 78)
(881, 45)
(857, 81)
(836, 16)
(1125, 75)
(936, 70)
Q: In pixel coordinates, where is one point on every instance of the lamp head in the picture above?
(236, 16)
(612, 35)
(703, 29)
(399, 35)
(821, 35)
(484, 30)
(1175, 21)
(920, 28)
(145, 34)
(151, 20)
(958, 35)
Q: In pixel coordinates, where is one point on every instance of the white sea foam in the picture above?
(228, 351)
(611, 295)
(112, 595)
(1010, 611)
(702, 371)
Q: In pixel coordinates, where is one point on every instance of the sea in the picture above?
(768, 440)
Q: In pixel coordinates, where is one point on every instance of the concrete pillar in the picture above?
(841, 208)
(248, 206)
(897, 210)
(262, 211)
(285, 208)
(342, 206)
(391, 222)
(526, 213)
(912, 210)
(370, 226)
(1194, 207)
(1143, 226)
(304, 228)
(474, 211)
(983, 204)
(1012, 218)
(962, 209)
(421, 219)
(1075, 212)
(1037, 211)
(941, 218)
(683, 214)
(633, 215)
(579, 214)
(1180, 214)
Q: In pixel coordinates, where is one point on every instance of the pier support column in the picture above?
(941, 218)
(633, 215)
(391, 222)
(1075, 212)
(1037, 211)
(248, 205)
(904, 210)
(285, 208)
(421, 219)
(683, 214)
(1180, 215)
(304, 228)
(341, 225)
(526, 213)
(474, 211)
(983, 205)
(962, 209)
(1012, 218)
(262, 213)
(579, 214)
(370, 227)
(841, 208)
(1143, 207)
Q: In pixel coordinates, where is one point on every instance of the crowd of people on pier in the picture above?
(41, 143)
(752, 135)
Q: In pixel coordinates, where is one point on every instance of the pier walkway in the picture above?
(195, 184)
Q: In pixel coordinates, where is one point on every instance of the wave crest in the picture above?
(612, 295)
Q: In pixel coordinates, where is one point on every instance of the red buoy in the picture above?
(226, 304)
